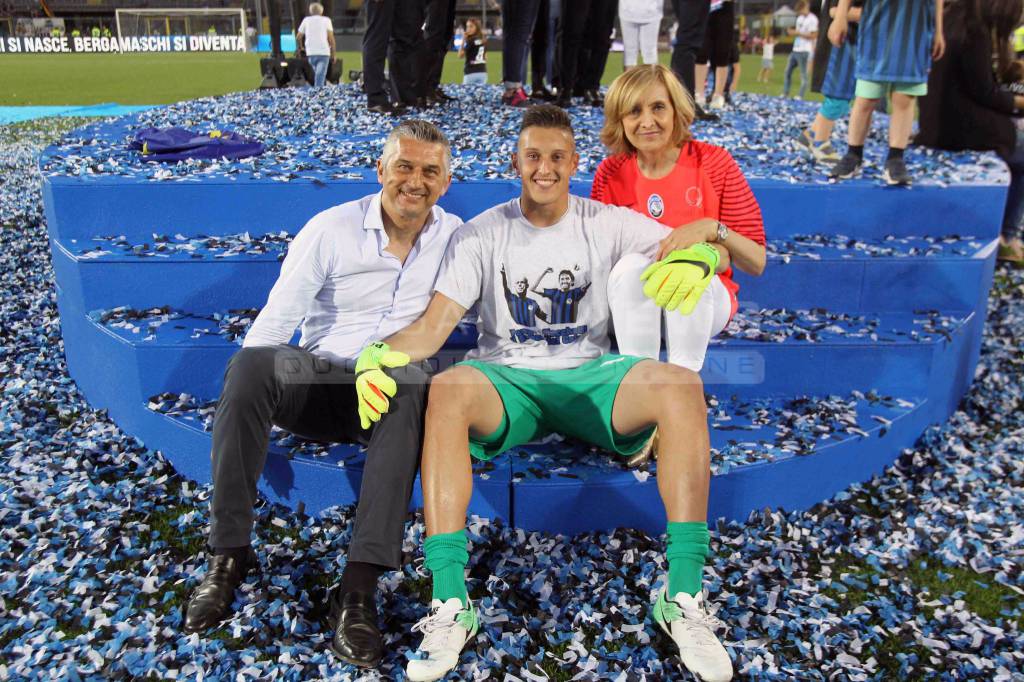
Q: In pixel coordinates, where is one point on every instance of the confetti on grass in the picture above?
(914, 575)
(327, 134)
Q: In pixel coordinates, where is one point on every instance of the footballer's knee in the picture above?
(678, 388)
(453, 392)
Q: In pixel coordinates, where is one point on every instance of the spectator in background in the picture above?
(584, 39)
(767, 59)
(518, 18)
(837, 83)
(718, 43)
(883, 63)
(393, 31)
(541, 50)
(966, 109)
(640, 21)
(438, 31)
(316, 38)
(691, 24)
(474, 51)
(805, 32)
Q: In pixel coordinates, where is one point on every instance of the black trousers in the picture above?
(584, 39)
(297, 391)
(393, 32)
(438, 31)
(692, 16)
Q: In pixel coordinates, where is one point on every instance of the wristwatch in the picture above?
(722, 232)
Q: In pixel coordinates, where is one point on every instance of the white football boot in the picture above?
(692, 628)
(445, 632)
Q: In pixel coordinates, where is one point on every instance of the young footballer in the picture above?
(523, 382)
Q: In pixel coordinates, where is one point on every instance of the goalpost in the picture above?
(180, 22)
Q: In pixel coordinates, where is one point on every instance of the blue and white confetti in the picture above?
(914, 575)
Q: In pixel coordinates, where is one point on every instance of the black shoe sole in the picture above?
(351, 661)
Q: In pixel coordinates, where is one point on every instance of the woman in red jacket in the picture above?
(658, 169)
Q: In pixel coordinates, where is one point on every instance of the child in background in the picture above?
(838, 85)
(640, 21)
(767, 59)
(897, 41)
(474, 48)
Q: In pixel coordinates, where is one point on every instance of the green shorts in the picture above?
(574, 402)
(877, 90)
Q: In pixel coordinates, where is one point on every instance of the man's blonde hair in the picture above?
(625, 94)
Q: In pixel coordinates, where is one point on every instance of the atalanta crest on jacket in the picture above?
(655, 206)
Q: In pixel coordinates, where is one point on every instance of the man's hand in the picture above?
(373, 386)
(679, 280)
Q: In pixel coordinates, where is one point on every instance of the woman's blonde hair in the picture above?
(625, 94)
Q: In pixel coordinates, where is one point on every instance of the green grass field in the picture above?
(37, 79)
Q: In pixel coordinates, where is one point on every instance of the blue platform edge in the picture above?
(120, 375)
(17, 114)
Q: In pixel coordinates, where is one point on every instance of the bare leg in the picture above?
(721, 75)
(671, 397)
(701, 80)
(822, 128)
(901, 120)
(461, 400)
(860, 120)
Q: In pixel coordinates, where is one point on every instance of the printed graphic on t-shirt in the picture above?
(523, 309)
(562, 303)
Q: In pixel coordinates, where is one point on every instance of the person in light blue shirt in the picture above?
(359, 271)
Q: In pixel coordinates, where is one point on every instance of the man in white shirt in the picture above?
(527, 379)
(316, 36)
(805, 33)
(356, 272)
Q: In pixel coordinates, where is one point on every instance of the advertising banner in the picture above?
(125, 44)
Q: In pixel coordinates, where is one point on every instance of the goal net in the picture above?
(180, 22)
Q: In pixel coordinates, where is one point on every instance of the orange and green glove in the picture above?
(679, 279)
(373, 386)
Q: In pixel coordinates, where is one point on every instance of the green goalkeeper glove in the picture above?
(679, 279)
(373, 386)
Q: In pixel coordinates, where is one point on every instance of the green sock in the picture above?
(686, 551)
(446, 556)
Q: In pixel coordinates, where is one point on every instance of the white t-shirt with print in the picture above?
(550, 309)
(807, 23)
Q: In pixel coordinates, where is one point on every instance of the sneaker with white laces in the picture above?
(803, 142)
(692, 628)
(701, 100)
(717, 103)
(445, 632)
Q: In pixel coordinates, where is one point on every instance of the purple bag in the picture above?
(175, 144)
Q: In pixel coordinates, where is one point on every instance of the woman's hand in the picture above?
(685, 236)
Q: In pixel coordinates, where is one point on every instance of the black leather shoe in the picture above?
(211, 601)
(542, 94)
(357, 639)
(704, 115)
(441, 96)
(563, 100)
(593, 98)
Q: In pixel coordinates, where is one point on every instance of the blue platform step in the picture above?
(763, 443)
(869, 292)
(237, 271)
